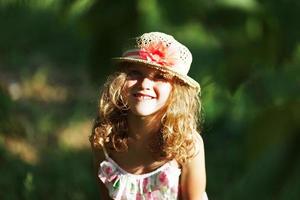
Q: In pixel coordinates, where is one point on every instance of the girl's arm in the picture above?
(193, 177)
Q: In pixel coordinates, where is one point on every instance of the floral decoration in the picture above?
(159, 53)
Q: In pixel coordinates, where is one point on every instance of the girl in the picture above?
(145, 139)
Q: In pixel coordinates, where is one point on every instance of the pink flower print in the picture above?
(149, 195)
(138, 196)
(108, 172)
(156, 198)
(163, 179)
(145, 184)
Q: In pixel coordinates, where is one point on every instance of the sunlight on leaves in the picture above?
(80, 6)
(150, 13)
(29, 184)
(254, 28)
(249, 5)
(37, 87)
(214, 100)
(196, 35)
(42, 4)
(35, 4)
(241, 104)
(22, 148)
(76, 135)
(296, 54)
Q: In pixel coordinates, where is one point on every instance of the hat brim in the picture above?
(183, 78)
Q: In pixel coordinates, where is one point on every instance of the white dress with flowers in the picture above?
(160, 184)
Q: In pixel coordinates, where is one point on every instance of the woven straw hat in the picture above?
(162, 52)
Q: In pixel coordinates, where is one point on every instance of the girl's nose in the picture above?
(146, 83)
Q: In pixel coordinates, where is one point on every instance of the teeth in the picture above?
(145, 97)
(142, 97)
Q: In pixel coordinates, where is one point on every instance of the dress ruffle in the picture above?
(159, 184)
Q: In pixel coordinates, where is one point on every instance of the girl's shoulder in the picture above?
(198, 148)
(193, 172)
(199, 144)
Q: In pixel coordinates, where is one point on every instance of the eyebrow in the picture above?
(150, 72)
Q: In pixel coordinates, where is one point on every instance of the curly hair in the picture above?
(179, 125)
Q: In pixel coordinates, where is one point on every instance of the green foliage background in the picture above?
(54, 56)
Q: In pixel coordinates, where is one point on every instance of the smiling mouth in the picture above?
(142, 96)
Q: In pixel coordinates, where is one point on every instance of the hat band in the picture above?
(156, 56)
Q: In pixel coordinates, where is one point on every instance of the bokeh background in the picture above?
(55, 54)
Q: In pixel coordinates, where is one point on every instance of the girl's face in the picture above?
(147, 90)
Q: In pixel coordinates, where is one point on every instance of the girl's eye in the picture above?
(160, 77)
(134, 74)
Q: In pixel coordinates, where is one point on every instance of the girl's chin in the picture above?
(144, 109)
(142, 113)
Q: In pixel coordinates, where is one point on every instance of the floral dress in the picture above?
(160, 184)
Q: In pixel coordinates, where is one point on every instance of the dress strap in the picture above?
(105, 152)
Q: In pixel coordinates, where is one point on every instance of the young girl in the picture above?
(145, 139)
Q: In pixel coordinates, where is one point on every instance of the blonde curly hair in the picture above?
(179, 125)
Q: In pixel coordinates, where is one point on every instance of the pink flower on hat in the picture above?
(159, 53)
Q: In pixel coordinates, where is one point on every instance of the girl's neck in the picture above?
(143, 128)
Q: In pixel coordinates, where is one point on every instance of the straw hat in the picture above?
(162, 52)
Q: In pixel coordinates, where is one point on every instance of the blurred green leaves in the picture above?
(54, 54)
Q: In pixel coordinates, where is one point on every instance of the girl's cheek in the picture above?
(130, 83)
(127, 86)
